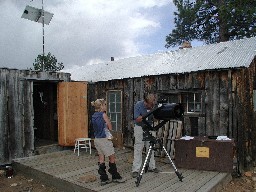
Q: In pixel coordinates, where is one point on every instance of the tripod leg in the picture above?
(146, 162)
(179, 175)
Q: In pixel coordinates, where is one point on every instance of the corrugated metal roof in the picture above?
(231, 54)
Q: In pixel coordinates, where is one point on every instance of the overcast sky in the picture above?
(84, 32)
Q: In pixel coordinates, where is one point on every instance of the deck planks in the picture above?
(67, 166)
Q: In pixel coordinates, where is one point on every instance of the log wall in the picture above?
(227, 103)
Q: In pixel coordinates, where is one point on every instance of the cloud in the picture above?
(80, 32)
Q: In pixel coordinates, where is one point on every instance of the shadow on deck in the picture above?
(64, 170)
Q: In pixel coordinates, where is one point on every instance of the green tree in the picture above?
(50, 63)
(212, 21)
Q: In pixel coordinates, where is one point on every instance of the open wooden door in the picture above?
(72, 112)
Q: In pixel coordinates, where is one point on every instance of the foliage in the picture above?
(212, 21)
(50, 63)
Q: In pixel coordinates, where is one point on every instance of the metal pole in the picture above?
(43, 32)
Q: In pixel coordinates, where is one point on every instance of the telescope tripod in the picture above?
(152, 141)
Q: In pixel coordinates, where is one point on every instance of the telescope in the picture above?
(165, 112)
(168, 111)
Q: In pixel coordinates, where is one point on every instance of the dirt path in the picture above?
(245, 183)
(20, 183)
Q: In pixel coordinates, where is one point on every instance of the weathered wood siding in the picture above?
(227, 103)
(16, 110)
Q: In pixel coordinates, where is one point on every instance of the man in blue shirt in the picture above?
(141, 108)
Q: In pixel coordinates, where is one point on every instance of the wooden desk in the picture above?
(204, 154)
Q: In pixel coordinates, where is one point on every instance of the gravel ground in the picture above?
(20, 183)
(245, 183)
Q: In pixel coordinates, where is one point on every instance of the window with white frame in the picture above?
(114, 109)
(192, 102)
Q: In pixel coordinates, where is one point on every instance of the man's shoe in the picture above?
(105, 182)
(134, 174)
(120, 180)
(154, 170)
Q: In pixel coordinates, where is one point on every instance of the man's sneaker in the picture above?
(154, 170)
(120, 180)
(105, 182)
(134, 174)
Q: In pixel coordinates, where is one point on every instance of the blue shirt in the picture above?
(99, 125)
(141, 110)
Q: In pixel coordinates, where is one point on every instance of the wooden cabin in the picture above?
(28, 111)
(215, 83)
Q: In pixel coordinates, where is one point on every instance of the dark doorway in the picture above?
(194, 126)
(45, 113)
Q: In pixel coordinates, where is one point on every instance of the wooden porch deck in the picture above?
(64, 169)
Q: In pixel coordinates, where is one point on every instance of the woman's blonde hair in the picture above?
(98, 104)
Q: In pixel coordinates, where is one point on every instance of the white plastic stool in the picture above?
(84, 143)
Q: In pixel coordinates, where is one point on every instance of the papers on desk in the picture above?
(187, 138)
(222, 138)
(219, 138)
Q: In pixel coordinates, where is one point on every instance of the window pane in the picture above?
(191, 107)
(198, 107)
(197, 97)
(113, 116)
(118, 96)
(112, 97)
(112, 107)
(118, 107)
